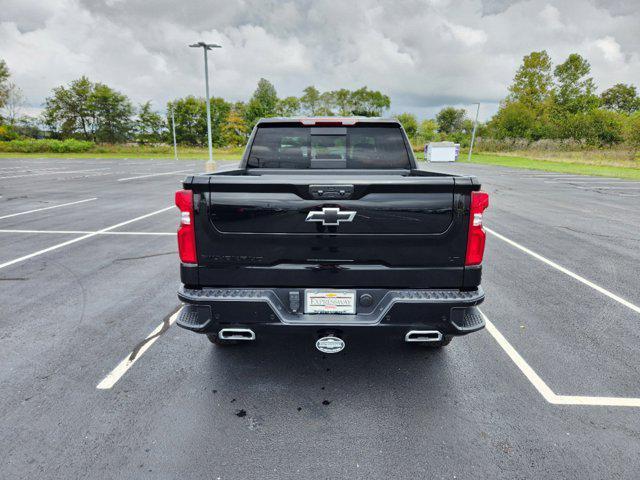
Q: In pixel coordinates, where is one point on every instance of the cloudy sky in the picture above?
(423, 53)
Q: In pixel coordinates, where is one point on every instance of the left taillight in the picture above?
(476, 236)
(186, 232)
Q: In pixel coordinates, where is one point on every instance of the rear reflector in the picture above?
(476, 236)
(186, 232)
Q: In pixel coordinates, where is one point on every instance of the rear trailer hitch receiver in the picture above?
(330, 344)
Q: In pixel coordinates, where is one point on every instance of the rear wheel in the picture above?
(213, 338)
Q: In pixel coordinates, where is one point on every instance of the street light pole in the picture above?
(473, 135)
(211, 166)
(173, 129)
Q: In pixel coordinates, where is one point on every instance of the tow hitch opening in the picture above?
(330, 343)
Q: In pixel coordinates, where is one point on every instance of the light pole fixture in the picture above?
(173, 130)
(205, 48)
(473, 135)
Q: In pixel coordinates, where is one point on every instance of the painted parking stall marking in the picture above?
(175, 172)
(543, 388)
(48, 208)
(60, 172)
(526, 369)
(566, 271)
(83, 237)
(82, 232)
(116, 374)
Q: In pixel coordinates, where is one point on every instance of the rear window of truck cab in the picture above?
(363, 146)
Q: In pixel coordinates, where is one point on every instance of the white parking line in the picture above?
(544, 389)
(608, 187)
(16, 170)
(127, 362)
(546, 175)
(48, 208)
(54, 173)
(78, 232)
(79, 239)
(587, 180)
(566, 271)
(152, 175)
(587, 183)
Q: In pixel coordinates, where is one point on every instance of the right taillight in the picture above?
(476, 237)
(186, 232)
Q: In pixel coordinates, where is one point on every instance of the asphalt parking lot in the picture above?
(88, 275)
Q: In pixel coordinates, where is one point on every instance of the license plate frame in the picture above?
(328, 302)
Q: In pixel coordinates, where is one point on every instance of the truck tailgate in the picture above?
(300, 230)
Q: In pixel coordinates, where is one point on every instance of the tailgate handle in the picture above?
(330, 192)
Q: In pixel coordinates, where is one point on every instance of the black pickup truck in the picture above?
(329, 229)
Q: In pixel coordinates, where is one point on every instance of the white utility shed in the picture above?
(442, 152)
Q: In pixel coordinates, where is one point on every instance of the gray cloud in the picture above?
(424, 53)
(493, 7)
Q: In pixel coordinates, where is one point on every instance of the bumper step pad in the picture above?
(467, 319)
(453, 308)
(194, 317)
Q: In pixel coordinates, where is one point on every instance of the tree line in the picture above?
(543, 102)
(561, 102)
(93, 111)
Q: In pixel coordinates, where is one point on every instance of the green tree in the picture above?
(112, 114)
(150, 127)
(513, 120)
(310, 100)
(288, 107)
(607, 128)
(362, 102)
(621, 98)
(427, 131)
(450, 120)
(28, 127)
(14, 101)
(240, 108)
(409, 122)
(327, 105)
(191, 119)
(68, 111)
(632, 131)
(369, 103)
(575, 89)
(533, 82)
(220, 109)
(342, 101)
(596, 127)
(4, 83)
(234, 129)
(91, 111)
(263, 103)
(191, 123)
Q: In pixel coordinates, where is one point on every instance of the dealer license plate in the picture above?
(330, 301)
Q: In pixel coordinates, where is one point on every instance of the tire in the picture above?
(213, 338)
(442, 343)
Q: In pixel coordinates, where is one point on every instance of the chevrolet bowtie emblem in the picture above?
(331, 216)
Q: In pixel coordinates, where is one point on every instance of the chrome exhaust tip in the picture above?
(236, 334)
(423, 336)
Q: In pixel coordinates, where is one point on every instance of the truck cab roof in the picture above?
(320, 121)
